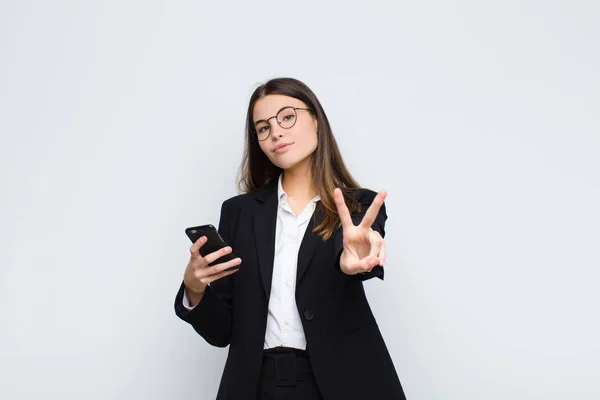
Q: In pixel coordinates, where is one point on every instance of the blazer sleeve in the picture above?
(211, 318)
(365, 199)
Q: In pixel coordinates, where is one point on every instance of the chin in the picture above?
(288, 164)
(285, 165)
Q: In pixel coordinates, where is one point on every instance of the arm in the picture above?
(211, 317)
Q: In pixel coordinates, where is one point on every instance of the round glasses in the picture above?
(286, 118)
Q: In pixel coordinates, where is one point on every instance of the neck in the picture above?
(297, 182)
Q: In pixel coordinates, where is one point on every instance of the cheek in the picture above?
(307, 136)
(312, 140)
(307, 142)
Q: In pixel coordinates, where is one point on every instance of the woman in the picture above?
(293, 310)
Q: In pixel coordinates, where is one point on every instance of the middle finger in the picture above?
(215, 255)
(215, 269)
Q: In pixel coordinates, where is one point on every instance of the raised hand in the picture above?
(364, 247)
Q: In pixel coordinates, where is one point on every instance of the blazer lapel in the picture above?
(309, 242)
(264, 221)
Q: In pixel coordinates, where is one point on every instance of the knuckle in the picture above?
(193, 266)
(210, 270)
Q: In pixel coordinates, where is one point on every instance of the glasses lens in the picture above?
(262, 130)
(287, 117)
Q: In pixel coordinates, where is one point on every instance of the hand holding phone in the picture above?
(210, 259)
(214, 242)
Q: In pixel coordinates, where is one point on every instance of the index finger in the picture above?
(195, 249)
(373, 209)
(342, 209)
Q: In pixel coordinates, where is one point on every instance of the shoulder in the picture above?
(242, 200)
(364, 195)
(365, 198)
(236, 201)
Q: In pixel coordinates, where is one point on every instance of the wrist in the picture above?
(194, 297)
(195, 292)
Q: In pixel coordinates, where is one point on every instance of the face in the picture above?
(286, 148)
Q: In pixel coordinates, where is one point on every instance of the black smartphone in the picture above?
(213, 243)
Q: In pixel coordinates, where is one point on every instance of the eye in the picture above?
(288, 117)
(262, 128)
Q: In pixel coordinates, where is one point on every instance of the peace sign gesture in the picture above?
(364, 247)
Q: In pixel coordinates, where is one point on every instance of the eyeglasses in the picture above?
(286, 118)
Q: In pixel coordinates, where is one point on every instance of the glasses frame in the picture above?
(279, 123)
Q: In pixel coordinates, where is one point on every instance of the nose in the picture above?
(276, 131)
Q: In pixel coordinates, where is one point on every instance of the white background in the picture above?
(122, 122)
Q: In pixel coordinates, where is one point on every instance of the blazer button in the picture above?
(308, 315)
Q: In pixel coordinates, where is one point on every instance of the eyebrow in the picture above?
(264, 120)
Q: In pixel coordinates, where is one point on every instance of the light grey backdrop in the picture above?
(121, 124)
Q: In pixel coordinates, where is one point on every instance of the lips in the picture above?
(282, 147)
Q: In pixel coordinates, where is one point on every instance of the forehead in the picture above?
(268, 106)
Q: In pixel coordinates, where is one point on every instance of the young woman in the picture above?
(293, 311)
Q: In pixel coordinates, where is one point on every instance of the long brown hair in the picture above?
(327, 167)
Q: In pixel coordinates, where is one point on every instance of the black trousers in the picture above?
(286, 374)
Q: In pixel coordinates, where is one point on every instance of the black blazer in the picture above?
(348, 355)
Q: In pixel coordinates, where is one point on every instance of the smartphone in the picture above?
(214, 242)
